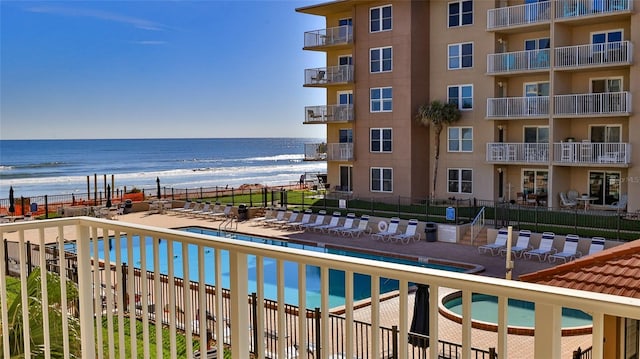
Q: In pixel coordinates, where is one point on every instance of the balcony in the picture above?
(315, 151)
(521, 17)
(518, 107)
(593, 104)
(611, 54)
(340, 151)
(250, 322)
(587, 153)
(518, 61)
(328, 76)
(334, 37)
(328, 114)
(513, 153)
(576, 9)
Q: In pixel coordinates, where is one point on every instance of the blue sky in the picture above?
(155, 69)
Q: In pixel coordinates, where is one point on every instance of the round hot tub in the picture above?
(520, 315)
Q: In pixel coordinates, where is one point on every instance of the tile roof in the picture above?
(613, 271)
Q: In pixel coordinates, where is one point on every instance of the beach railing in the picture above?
(237, 322)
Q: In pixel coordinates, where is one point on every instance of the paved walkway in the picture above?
(518, 346)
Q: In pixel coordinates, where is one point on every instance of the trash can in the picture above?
(128, 205)
(243, 212)
(431, 231)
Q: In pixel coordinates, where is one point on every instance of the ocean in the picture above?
(48, 167)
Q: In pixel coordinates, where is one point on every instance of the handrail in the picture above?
(477, 224)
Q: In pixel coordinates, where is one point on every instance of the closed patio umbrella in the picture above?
(108, 196)
(158, 187)
(420, 321)
(12, 208)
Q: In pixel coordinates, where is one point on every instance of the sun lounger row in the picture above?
(545, 250)
(203, 210)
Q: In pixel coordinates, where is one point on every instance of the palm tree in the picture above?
(437, 114)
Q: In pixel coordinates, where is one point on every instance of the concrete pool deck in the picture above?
(519, 346)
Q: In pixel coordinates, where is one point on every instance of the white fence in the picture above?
(589, 153)
(504, 107)
(606, 103)
(611, 53)
(331, 36)
(518, 152)
(518, 61)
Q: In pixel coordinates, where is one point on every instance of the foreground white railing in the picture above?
(589, 153)
(330, 36)
(504, 107)
(517, 152)
(611, 53)
(477, 225)
(548, 300)
(606, 103)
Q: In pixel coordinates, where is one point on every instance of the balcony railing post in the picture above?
(394, 341)
(85, 291)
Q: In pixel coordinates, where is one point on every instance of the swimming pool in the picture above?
(362, 283)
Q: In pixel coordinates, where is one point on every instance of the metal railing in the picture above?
(503, 152)
(611, 53)
(606, 103)
(324, 76)
(328, 113)
(591, 152)
(237, 320)
(340, 151)
(518, 61)
(477, 225)
(519, 15)
(514, 107)
(338, 35)
(566, 9)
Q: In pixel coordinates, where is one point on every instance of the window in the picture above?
(461, 95)
(460, 56)
(345, 60)
(345, 97)
(533, 89)
(380, 59)
(381, 140)
(535, 181)
(381, 179)
(537, 44)
(600, 39)
(605, 133)
(460, 13)
(536, 134)
(605, 186)
(345, 135)
(460, 139)
(380, 18)
(460, 180)
(381, 99)
(537, 52)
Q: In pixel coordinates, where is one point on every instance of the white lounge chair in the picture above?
(497, 246)
(390, 231)
(219, 216)
(347, 225)
(203, 210)
(279, 217)
(566, 202)
(293, 217)
(544, 249)
(187, 205)
(268, 214)
(597, 245)
(409, 234)
(306, 217)
(196, 207)
(363, 226)
(319, 221)
(570, 250)
(333, 223)
(522, 245)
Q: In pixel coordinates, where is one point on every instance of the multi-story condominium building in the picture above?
(546, 90)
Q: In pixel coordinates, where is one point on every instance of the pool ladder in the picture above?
(228, 225)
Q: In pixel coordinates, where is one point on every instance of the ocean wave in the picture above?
(296, 157)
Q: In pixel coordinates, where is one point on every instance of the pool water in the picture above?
(519, 313)
(362, 283)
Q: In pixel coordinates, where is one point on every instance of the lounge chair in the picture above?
(319, 221)
(222, 215)
(522, 245)
(333, 223)
(196, 207)
(392, 230)
(544, 249)
(597, 245)
(268, 214)
(279, 217)
(409, 234)
(203, 210)
(293, 217)
(566, 202)
(620, 205)
(348, 224)
(187, 205)
(306, 217)
(570, 250)
(363, 226)
(497, 246)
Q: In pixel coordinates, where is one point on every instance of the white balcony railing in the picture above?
(518, 61)
(566, 9)
(597, 104)
(518, 15)
(328, 75)
(612, 53)
(340, 151)
(329, 113)
(592, 153)
(328, 37)
(239, 326)
(502, 152)
(315, 151)
(518, 107)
